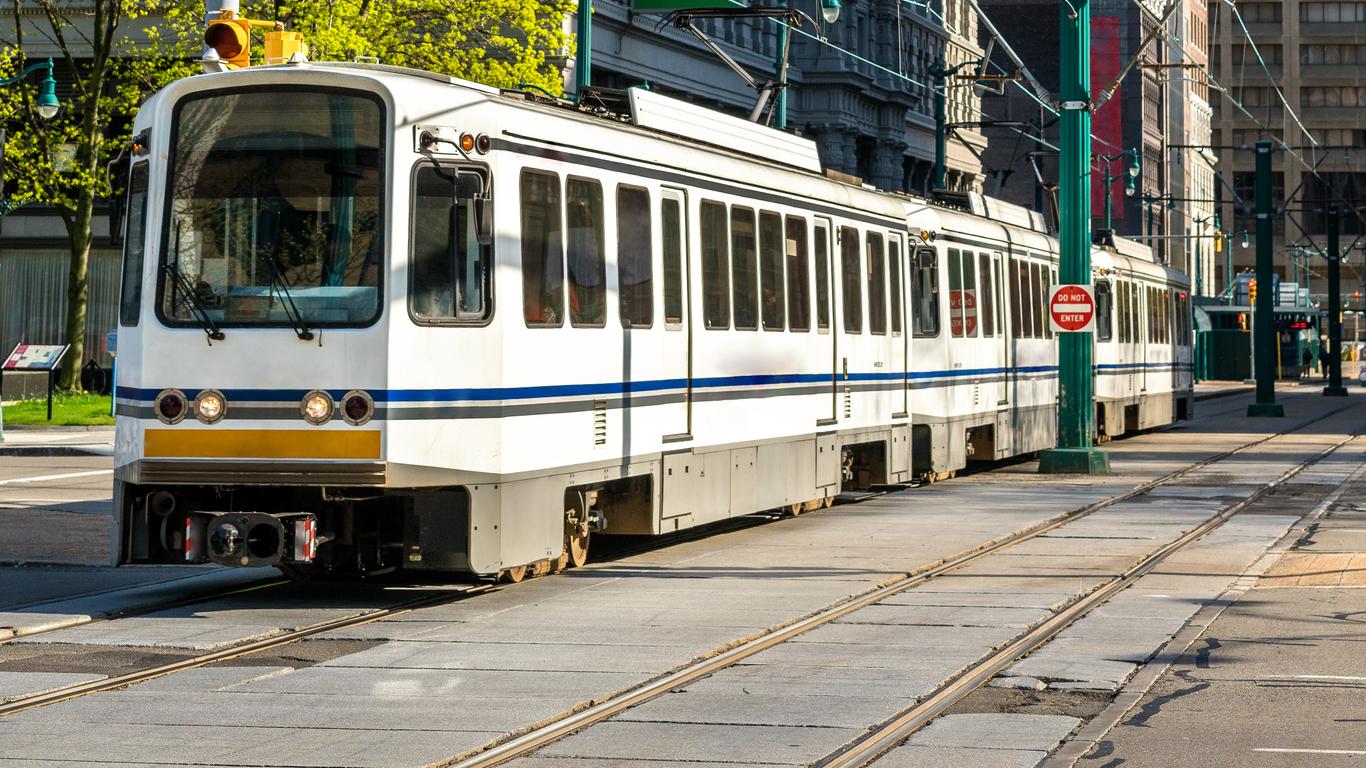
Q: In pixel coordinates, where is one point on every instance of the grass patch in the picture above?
(67, 411)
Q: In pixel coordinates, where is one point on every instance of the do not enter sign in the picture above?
(1071, 308)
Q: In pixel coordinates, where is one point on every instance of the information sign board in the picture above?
(35, 357)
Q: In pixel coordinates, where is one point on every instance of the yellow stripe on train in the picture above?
(261, 444)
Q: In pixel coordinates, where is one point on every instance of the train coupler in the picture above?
(251, 539)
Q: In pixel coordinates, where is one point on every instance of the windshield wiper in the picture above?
(279, 285)
(181, 283)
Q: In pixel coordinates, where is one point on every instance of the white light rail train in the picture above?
(375, 318)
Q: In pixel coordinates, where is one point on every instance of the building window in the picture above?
(1333, 13)
(1333, 96)
(1333, 54)
(1263, 13)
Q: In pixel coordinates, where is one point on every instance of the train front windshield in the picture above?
(275, 209)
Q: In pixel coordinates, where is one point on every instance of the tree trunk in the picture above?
(77, 290)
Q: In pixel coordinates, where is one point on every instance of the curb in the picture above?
(1218, 393)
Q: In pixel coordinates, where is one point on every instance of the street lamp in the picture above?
(47, 103)
(830, 11)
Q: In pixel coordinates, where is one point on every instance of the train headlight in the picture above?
(357, 407)
(170, 406)
(210, 406)
(316, 407)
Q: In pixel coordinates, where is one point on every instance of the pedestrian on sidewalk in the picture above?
(1307, 362)
(1323, 361)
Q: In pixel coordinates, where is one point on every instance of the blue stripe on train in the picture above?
(584, 390)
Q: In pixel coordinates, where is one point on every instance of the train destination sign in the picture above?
(1071, 308)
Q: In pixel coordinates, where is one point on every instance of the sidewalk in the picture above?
(57, 441)
(1208, 390)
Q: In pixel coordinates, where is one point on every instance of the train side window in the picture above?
(798, 275)
(877, 285)
(772, 291)
(1036, 291)
(743, 275)
(925, 293)
(1015, 300)
(999, 291)
(822, 252)
(1047, 278)
(955, 293)
(894, 281)
(450, 269)
(635, 258)
(134, 246)
(586, 257)
(1104, 325)
(542, 250)
(715, 265)
(988, 300)
(1166, 316)
(671, 230)
(851, 277)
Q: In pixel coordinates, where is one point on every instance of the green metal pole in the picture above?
(1076, 408)
(583, 60)
(1334, 388)
(1263, 315)
(780, 65)
(940, 126)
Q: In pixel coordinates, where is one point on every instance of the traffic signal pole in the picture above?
(1263, 309)
(1334, 388)
(1075, 452)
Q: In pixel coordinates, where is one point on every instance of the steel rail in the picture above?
(242, 649)
(888, 735)
(523, 744)
(140, 610)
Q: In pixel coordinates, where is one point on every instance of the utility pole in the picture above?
(583, 44)
(780, 66)
(1076, 411)
(1334, 388)
(1263, 310)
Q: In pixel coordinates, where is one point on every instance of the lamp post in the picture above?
(830, 11)
(1130, 180)
(46, 105)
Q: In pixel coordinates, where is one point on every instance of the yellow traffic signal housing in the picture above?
(1218, 241)
(1252, 290)
(281, 46)
(231, 38)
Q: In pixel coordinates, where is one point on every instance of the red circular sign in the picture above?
(1071, 307)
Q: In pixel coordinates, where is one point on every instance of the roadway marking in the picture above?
(65, 476)
(1312, 751)
(1328, 677)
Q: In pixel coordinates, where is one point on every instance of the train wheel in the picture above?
(796, 508)
(512, 575)
(575, 546)
(828, 502)
(542, 568)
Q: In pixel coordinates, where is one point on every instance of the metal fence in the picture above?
(33, 299)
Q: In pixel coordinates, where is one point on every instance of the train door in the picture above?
(998, 299)
(901, 345)
(677, 343)
(824, 255)
(1145, 311)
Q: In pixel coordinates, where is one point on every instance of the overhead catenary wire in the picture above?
(1279, 93)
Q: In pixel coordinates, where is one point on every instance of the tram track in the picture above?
(531, 740)
(890, 733)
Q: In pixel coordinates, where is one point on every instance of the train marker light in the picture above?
(210, 406)
(482, 143)
(357, 407)
(466, 142)
(170, 406)
(316, 407)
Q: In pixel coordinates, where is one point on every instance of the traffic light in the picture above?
(1242, 321)
(230, 37)
(1252, 291)
(1218, 241)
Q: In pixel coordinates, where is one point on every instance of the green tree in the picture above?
(496, 42)
(112, 59)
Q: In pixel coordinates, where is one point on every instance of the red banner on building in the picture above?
(1106, 123)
